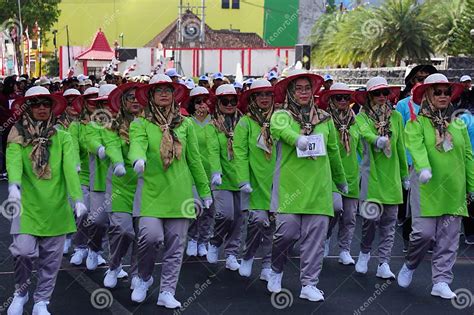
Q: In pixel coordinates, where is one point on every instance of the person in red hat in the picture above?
(198, 106)
(224, 183)
(443, 174)
(384, 171)
(254, 152)
(336, 100)
(307, 163)
(164, 148)
(42, 173)
(123, 218)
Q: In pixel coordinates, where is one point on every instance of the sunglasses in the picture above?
(166, 90)
(439, 92)
(130, 97)
(264, 94)
(420, 79)
(341, 97)
(384, 92)
(226, 102)
(199, 101)
(39, 103)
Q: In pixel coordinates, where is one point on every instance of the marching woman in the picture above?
(42, 173)
(224, 182)
(255, 162)
(307, 163)
(444, 172)
(199, 232)
(383, 171)
(336, 101)
(100, 177)
(164, 148)
(81, 237)
(122, 226)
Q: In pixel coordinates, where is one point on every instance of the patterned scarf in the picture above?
(262, 117)
(440, 120)
(28, 131)
(167, 118)
(381, 117)
(226, 124)
(65, 119)
(307, 116)
(85, 114)
(343, 120)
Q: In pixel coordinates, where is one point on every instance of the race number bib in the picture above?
(316, 147)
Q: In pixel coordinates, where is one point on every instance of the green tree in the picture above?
(462, 43)
(52, 67)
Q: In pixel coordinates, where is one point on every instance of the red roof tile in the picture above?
(99, 50)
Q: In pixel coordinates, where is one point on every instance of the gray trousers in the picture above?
(260, 228)
(47, 252)
(200, 228)
(121, 235)
(311, 230)
(347, 222)
(81, 237)
(386, 224)
(229, 219)
(152, 232)
(134, 255)
(97, 221)
(441, 231)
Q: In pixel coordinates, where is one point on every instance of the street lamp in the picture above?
(121, 38)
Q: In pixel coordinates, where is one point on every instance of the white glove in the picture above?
(471, 196)
(78, 168)
(406, 184)
(207, 202)
(246, 188)
(101, 152)
(425, 176)
(216, 179)
(302, 143)
(80, 209)
(119, 170)
(139, 166)
(14, 192)
(343, 188)
(381, 142)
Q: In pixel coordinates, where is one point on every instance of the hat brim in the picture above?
(215, 99)
(282, 86)
(326, 94)
(115, 97)
(59, 104)
(79, 101)
(360, 97)
(426, 68)
(187, 102)
(245, 96)
(179, 93)
(419, 91)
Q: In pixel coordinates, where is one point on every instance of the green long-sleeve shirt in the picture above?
(168, 194)
(304, 185)
(452, 171)
(251, 164)
(45, 207)
(94, 139)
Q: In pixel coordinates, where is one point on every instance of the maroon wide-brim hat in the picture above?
(115, 97)
(323, 101)
(245, 96)
(282, 86)
(179, 90)
(437, 79)
(19, 105)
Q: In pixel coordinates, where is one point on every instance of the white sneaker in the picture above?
(326, 247)
(202, 250)
(101, 260)
(67, 245)
(231, 263)
(265, 274)
(245, 269)
(384, 272)
(92, 260)
(41, 308)
(212, 254)
(140, 290)
(405, 276)
(443, 290)
(16, 307)
(361, 265)
(122, 274)
(274, 283)
(310, 292)
(78, 256)
(110, 280)
(167, 300)
(134, 282)
(191, 250)
(345, 258)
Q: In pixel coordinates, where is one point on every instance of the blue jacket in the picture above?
(404, 109)
(468, 119)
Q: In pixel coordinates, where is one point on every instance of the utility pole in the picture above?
(68, 50)
(203, 35)
(179, 35)
(22, 48)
